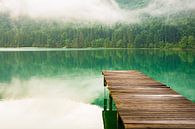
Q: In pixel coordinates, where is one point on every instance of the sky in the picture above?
(102, 11)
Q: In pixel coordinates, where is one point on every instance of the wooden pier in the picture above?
(143, 103)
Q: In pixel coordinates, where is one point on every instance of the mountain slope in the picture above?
(132, 4)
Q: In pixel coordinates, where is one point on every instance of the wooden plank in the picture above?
(160, 125)
(143, 102)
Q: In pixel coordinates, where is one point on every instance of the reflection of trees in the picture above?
(186, 57)
(56, 62)
(175, 68)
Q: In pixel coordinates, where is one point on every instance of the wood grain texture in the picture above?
(144, 103)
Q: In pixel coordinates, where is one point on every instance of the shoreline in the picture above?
(2, 49)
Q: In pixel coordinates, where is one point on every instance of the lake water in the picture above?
(63, 88)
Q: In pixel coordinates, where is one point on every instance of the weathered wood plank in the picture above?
(143, 102)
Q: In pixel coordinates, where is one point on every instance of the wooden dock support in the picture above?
(110, 102)
(105, 99)
(143, 103)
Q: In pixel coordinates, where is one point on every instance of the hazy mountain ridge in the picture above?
(170, 10)
(132, 4)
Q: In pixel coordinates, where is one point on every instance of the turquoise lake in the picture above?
(63, 88)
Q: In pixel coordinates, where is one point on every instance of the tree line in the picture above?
(151, 33)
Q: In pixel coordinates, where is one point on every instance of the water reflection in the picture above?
(175, 68)
(76, 75)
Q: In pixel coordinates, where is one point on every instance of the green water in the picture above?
(76, 74)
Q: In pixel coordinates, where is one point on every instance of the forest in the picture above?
(153, 32)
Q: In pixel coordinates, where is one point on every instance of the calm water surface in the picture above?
(63, 89)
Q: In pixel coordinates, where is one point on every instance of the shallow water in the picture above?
(62, 88)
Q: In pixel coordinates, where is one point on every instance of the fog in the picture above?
(50, 103)
(90, 11)
(167, 7)
(105, 11)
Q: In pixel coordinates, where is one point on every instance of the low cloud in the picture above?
(90, 11)
(164, 7)
(103, 11)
